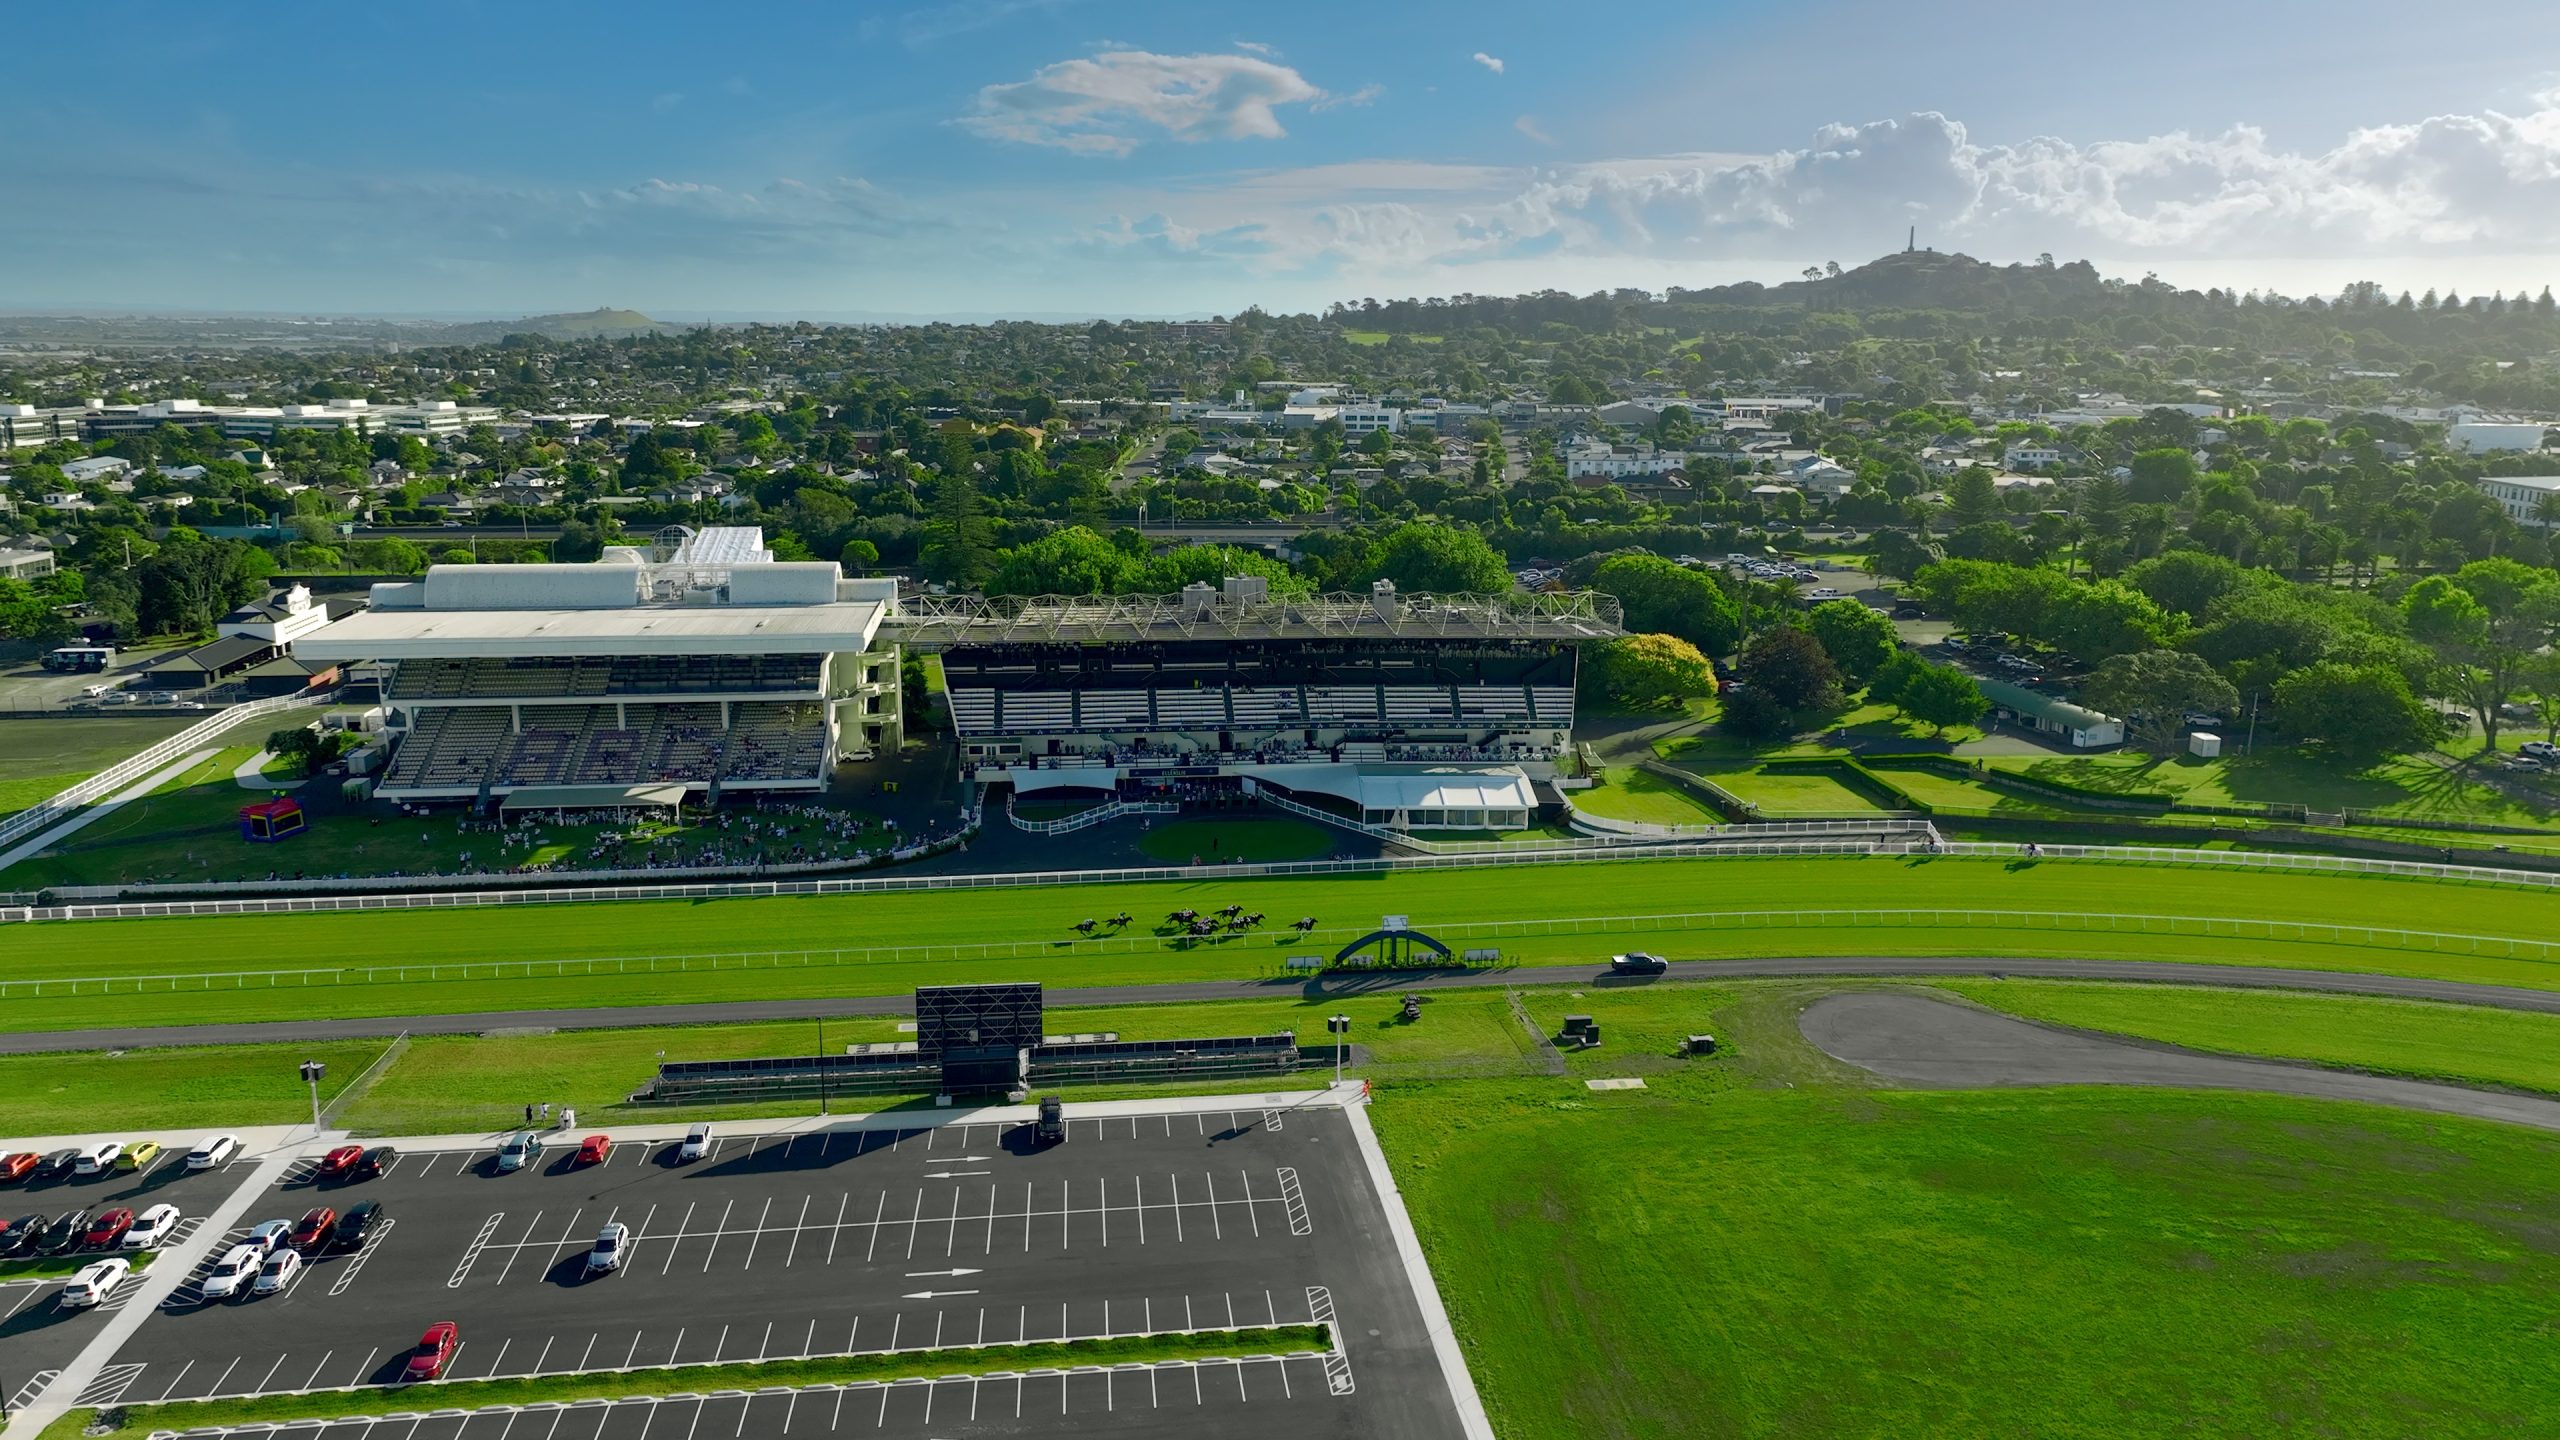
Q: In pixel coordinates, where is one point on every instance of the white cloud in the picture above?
(1528, 125)
(1490, 62)
(1110, 103)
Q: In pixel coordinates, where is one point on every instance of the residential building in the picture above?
(2521, 496)
(2033, 457)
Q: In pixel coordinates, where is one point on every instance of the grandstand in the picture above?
(1422, 711)
(700, 661)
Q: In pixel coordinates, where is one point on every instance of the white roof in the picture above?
(1498, 789)
(844, 626)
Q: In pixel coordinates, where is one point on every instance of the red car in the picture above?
(593, 1149)
(14, 1168)
(340, 1163)
(314, 1230)
(435, 1350)
(105, 1231)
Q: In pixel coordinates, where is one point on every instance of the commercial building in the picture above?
(431, 418)
(2521, 496)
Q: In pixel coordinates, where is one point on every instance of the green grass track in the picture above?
(1034, 922)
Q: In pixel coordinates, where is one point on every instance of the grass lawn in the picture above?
(1780, 792)
(1628, 793)
(2405, 786)
(52, 748)
(194, 1089)
(1759, 1244)
(1029, 929)
(1258, 841)
(2428, 1041)
(1946, 790)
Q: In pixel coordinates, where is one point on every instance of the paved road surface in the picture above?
(2504, 997)
(1943, 1045)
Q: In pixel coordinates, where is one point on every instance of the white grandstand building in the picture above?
(700, 664)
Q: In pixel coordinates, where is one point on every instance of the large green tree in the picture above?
(2357, 713)
(2154, 690)
(1652, 669)
(1858, 640)
(1661, 595)
(1443, 559)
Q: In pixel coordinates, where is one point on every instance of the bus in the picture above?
(80, 659)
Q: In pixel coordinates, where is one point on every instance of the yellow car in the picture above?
(138, 1155)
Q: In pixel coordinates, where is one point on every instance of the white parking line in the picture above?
(518, 1248)
(679, 1240)
(794, 1252)
(876, 1212)
(757, 1234)
(715, 1235)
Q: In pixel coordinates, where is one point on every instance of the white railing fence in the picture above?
(142, 762)
(1084, 819)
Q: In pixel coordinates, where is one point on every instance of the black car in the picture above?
(376, 1160)
(1052, 1129)
(63, 1234)
(20, 1237)
(1637, 962)
(58, 1165)
(355, 1225)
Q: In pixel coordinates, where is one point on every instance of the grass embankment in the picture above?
(1034, 925)
(1763, 1243)
(702, 1379)
(2464, 1043)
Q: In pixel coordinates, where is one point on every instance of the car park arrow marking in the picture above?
(936, 1294)
(959, 1159)
(954, 1174)
(931, 1274)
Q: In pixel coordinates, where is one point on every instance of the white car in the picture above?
(277, 1272)
(98, 1159)
(237, 1267)
(613, 1243)
(212, 1151)
(697, 1143)
(267, 1235)
(95, 1283)
(152, 1228)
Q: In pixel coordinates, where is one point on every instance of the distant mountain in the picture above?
(1923, 280)
(583, 325)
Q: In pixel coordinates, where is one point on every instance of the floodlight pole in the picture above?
(312, 1070)
(1340, 1025)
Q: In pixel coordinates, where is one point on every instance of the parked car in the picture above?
(98, 1158)
(63, 1233)
(613, 1244)
(59, 1164)
(697, 1142)
(313, 1228)
(340, 1164)
(2542, 750)
(1638, 962)
(276, 1272)
(355, 1225)
(152, 1228)
(16, 1168)
(376, 1160)
(521, 1149)
(434, 1352)
(95, 1283)
(237, 1267)
(138, 1156)
(268, 1234)
(18, 1236)
(594, 1149)
(212, 1151)
(106, 1228)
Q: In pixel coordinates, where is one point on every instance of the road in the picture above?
(1943, 1045)
(2252, 977)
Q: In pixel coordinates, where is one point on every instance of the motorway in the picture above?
(1312, 991)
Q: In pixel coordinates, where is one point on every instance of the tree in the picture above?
(2484, 623)
(579, 542)
(956, 548)
(1791, 668)
(1939, 696)
(2154, 691)
(2358, 713)
(2162, 476)
(1664, 596)
(859, 555)
(1439, 558)
(2187, 581)
(1972, 498)
(1653, 670)
(1858, 640)
(1073, 561)
(303, 745)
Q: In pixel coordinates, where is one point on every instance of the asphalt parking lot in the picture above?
(841, 1241)
(39, 1337)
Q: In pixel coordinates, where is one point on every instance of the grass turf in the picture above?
(53, 747)
(1254, 841)
(1760, 1244)
(2464, 1043)
(1646, 798)
(702, 1379)
(195, 1089)
(1029, 929)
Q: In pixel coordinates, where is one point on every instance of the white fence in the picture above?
(1083, 819)
(1274, 946)
(139, 764)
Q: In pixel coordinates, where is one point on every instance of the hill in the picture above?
(581, 325)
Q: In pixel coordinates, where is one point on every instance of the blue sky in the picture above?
(1075, 156)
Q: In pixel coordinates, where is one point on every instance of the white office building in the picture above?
(2521, 496)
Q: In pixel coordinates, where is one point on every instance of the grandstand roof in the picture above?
(939, 622)
(843, 626)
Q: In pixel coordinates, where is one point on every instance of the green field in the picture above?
(1763, 1245)
(1781, 792)
(80, 747)
(2410, 786)
(1025, 934)
(2428, 1041)
(180, 1091)
(1260, 841)
(1628, 793)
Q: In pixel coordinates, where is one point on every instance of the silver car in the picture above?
(613, 1245)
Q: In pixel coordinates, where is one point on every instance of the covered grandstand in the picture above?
(1415, 711)
(701, 662)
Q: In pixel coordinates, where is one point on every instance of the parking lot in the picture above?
(842, 1241)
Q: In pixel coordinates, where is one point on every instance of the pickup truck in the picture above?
(1637, 962)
